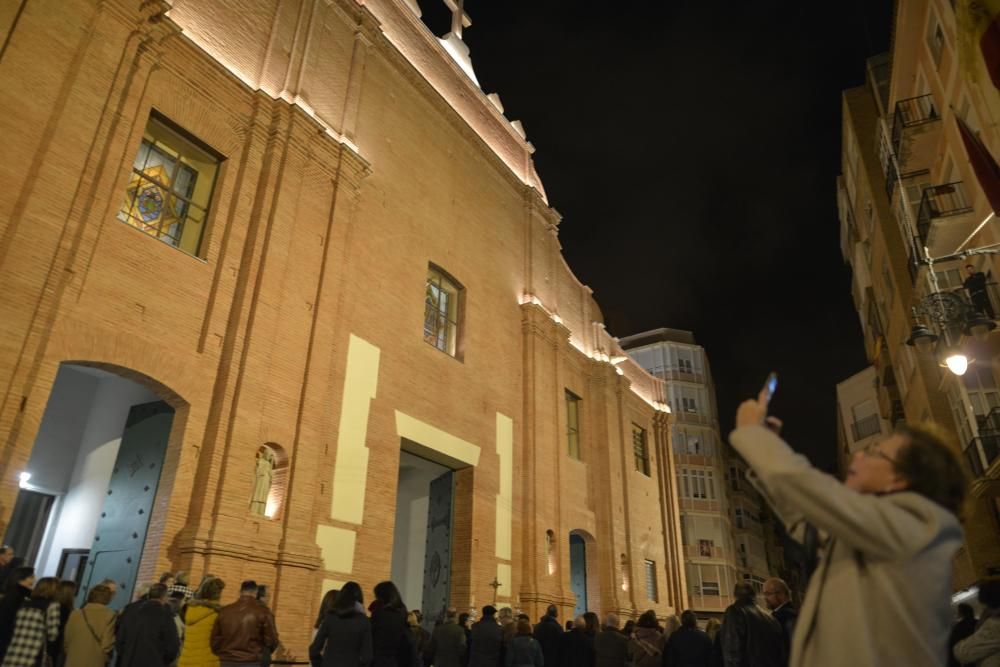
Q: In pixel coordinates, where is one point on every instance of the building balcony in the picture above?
(866, 427)
(910, 113)
(890, 402)
(943, 219)
(681, 375)
(982, 456)
(693, 417)
(982, 452)
(709, 602)
(700, 551)
(912, 138)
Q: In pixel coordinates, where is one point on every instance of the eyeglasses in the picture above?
(871, 450)
(770, 593)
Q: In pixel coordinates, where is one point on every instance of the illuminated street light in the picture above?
(957, 363)
(953, 316)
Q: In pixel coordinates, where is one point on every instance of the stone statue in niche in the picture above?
(263, 473)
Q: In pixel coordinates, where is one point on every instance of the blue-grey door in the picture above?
(121, 529)
(437, 557)
(578, 572)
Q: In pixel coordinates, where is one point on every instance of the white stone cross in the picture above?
(459, 18)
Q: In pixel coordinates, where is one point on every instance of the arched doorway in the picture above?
(578, 572)
(87, 494)
(582, 552)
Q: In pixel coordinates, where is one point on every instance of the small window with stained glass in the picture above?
(170, 186)
(442, 304)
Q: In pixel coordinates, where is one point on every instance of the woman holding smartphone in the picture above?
(881, 593)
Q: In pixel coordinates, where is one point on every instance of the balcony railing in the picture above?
(910, 113)
(940, 201)
(990, 422)
(989, 440)
(866, 427)
(993, 296)
(991, 449)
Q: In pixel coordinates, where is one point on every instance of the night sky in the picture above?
(692, 149)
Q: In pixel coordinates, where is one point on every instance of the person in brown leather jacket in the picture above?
(244, 633)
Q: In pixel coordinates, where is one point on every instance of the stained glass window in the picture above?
(170, 186)
(441, 312)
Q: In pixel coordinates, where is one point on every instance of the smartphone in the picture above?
(770, 385)
(262, 592)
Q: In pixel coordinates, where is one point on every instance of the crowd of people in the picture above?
(169, 624)
(384, 634)
(883, 542)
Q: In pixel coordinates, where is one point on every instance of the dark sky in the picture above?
(692, 149)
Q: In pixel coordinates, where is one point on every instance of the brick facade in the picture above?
(355, 155)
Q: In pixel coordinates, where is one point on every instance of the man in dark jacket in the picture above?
(244, 633)
(147, 634)
(750, 637)
(547, 633)
(777, 596)
(577, 646)
(689, 646)
(486, 640)
(447, 645)
(610, 645)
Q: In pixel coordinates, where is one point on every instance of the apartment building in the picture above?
(728, 535)
(859, 423)
(913, 213)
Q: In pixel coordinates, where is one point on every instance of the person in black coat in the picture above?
(610, 645)
(486, 640)
(577, 646)
(777, 596)
(344, 638)
(147, 634)
(749, 635)
(688, 646)
(463, 620)
(20, 581)
(965, 626)
(392, 641)
(548, 633)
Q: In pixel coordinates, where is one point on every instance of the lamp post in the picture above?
(952, 314)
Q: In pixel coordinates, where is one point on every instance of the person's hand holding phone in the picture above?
(754, 412)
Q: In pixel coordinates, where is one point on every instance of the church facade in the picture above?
(283, 300)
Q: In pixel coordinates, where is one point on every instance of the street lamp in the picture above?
(922, 338)
(953, 316)
(957, 362)
(978, 326)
